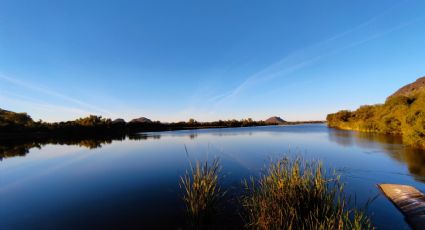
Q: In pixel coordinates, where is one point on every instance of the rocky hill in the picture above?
(118, 121)
(275, 120)
(141, 120)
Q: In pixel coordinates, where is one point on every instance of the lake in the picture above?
(132, 183)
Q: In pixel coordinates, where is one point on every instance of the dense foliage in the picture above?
(9, 120)
(400, 115)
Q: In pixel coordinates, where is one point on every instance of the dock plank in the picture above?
(409, 200)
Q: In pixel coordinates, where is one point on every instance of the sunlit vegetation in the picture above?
(400, 115)
(202, 193)
(297, 194)
(290, 194)
(93, 121)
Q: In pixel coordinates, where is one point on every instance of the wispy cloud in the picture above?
(46, 91)
(41, 110)
(310, 55)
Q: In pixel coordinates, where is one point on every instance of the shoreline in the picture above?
(119, 131)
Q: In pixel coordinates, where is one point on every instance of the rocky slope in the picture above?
(412, 88)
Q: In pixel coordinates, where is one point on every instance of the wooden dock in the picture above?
(409, 200)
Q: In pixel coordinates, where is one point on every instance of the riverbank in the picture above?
(403, 113)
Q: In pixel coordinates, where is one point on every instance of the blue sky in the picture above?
(208, 60)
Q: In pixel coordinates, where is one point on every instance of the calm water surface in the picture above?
(133, 184)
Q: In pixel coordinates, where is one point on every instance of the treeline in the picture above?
(20, 125)
(399, 115)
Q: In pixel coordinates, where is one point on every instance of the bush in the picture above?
(414, 133)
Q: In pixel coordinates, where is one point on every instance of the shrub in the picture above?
(414, 132)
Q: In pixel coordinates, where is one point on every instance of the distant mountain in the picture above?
(411, 88)
(275, 120)
(118, 121)
(141, 120)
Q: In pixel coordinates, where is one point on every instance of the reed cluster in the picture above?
(289, 194)
(298, 194)
(202, 193)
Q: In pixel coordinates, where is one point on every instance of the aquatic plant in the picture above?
(298, 194)
(202, 193)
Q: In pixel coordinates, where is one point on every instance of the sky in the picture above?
(207, 60)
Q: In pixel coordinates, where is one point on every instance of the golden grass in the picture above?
(296, 194)
(202, 193)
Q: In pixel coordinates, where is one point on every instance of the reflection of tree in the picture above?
(341, 137)
(13, 148)
(143, 136)
(415, 160)
(392, 145)
(363, 139)
(92, 144)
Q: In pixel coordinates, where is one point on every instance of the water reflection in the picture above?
(133, 182)
(193, 136)
(391, 145)
(15, 148)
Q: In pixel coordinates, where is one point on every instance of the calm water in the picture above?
(133, 184)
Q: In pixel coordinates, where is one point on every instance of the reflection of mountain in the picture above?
(392, 145)
(22, 147)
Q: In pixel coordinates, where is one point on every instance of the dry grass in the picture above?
(296, 194)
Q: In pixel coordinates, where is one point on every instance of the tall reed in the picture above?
(202, 193)
(297, 194)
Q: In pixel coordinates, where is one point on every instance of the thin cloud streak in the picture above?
(49, 92)
(48, 110)
(289, 64)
